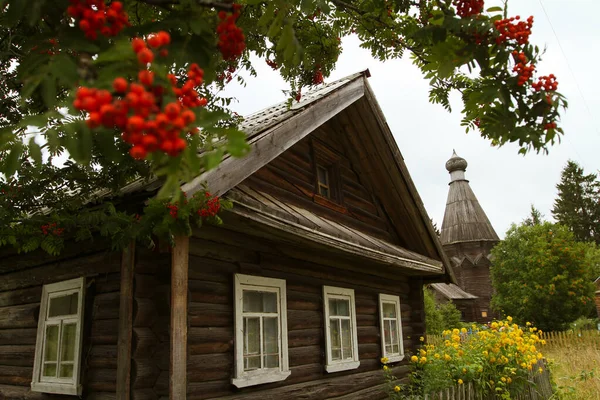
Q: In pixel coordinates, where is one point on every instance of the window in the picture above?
(59, 338)
(341, 341)
(323, 181)
(391, 327)
(484, 313)
(261, 345)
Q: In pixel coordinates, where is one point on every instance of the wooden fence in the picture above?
(575, 339)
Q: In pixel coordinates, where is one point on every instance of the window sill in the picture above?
(395, 358)
(343, 366)
(260, 378)
(56, 388)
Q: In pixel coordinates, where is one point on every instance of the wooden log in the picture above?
(304, 301)
(305, 355)
(106, 283)
(106, 306)
(211, 270)
(17, 355)
(208, 335)
(19, 376)
(103, 356)
(99, 396)
(162, 358)
(144, 343)
(179, 300)
(20, 393)
(161, 388)
(101, 379)
(209, 367)
(210, 347)
(151, 261)
(206, 314)
(207, 390)
(369, 350)
(145, 286)
(125, 324)
(210, 292)
(55, 272)
(144, 373)
(18, 336)
(104, 331)
(144, 394)
(305, 337)
(373, 393)
(222, 252)
(21, 296)
(160, 327)
(304, 319)
(21, 316)
(368, 334)
(144, 312)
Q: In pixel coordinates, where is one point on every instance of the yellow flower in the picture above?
(460, 382)
(528, 324)
(422, 339)
(385, 368)
(397, 389)
(509, 318)
(503, 379)
(464, 370)
(436, 355)
(447, 357)
(423, 352)
(384, 360)
(414, 359)
(423, 360)
(540, 370)
(463, 330)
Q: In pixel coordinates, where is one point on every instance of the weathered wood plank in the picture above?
(179, 306)
(18, 336)
(124, 341)
(19, 376)
(21, 296)
(17, 355)
(21, 316)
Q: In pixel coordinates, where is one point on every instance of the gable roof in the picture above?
(272, 131)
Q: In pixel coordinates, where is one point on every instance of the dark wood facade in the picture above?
(597, 297)
(152, 313)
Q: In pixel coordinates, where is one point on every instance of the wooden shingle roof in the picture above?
(452, 292)
(464, 218)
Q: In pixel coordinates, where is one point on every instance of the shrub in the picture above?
(496, 359)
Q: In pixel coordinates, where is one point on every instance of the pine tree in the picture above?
(578, 203)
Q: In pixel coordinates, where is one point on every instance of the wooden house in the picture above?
(597, 295)
(468, 237)
(315, 275)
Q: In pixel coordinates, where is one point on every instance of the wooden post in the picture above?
(125, 323)
(179, 300)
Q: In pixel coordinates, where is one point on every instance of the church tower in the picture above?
(468, 236)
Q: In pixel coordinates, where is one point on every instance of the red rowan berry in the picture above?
(135, 123)
(146, 77)
(138, 152)
(138, 44)
(172, 110)
(164, 37)
(145, 56)
(120, 85)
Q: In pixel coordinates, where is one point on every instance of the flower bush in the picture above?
(499, 358)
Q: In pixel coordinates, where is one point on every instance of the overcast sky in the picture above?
(505, 183)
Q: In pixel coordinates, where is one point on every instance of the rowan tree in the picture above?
(578, 203)
(541, 274)
(97, 93)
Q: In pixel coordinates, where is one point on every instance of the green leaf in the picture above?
(212, 158)
(13, 159)
(64, 68)
(16, 9)
(79, 142)
(49, 91)
(494, 9)
(236, 143)
(35, 151)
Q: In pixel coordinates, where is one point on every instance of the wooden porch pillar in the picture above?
(179, 300)
(125, 324)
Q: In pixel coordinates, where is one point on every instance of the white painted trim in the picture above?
(58, 385)
(249, 378)
(387, 298)
(343, 365)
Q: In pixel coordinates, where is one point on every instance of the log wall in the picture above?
(215, 258)
(21, 281)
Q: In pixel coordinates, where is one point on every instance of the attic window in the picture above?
(484, 313)
(323, 181)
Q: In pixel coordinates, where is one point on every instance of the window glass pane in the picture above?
(49, 370)
(346, 339)
(66, 370)
(389, 310)
(260, 301)
(335, 339)
(269, 302)
(64, 305)
(322, 175)
(67, 349)
(271, 342)
(389, 349)
(339, 307)
(251, 343)
(387, 334)
(51, 343)
(393, 332)
(323, 191)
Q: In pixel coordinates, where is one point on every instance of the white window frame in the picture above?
(265, 375)
(331, 292)
(69, 386)
(395, 300)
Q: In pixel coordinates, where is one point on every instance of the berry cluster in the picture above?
(468, 8)
(227, 75)
(173, 208)
(524, 71)
(51, 228)
(272, 64)
(550, 125)
(317, 77)
(211, 208)
(231, 38)
(548, 83)
(156, 41)
(137, 110)
(96, 17)
(518, 31)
